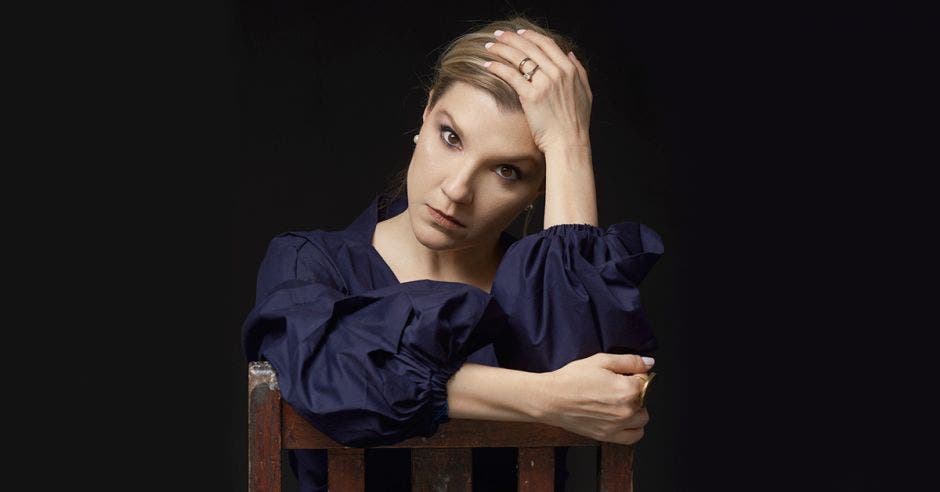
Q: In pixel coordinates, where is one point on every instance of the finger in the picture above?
(512, 55)
(639, 419)
(547, 45)
(583, 73)
(630, 391)
(530, 49)
(627, 436)
(511, 76)
(626, 363)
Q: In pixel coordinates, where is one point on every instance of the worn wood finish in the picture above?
(615, 468)
(536, 469)
(442, 462)
(442, 470)
(465, 433)
(347, 469)
(264, 429)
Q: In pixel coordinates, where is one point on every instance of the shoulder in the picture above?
(300, 255)
(313, 242)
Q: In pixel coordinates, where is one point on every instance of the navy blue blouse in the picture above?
(366, 358)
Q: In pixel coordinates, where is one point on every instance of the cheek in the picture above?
(428, 156)
(501, 216)
(420, 171)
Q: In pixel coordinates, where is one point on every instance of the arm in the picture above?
(558, 110)
(575, 275)
(595, 397)
(483, 392)
(570, 196)
(367, 369)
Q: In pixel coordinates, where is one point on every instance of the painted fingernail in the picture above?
(649, 361)
(487, 45)
(497, 33)
(487, 64)
(520, 31)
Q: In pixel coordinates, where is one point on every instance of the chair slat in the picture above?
(434, 470)
(615, 467)
(347, 469)
(536, 469)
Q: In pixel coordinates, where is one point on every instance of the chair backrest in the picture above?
(440, 462)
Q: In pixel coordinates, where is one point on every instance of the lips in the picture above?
(450, 217)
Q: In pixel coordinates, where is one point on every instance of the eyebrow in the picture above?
(523, 157)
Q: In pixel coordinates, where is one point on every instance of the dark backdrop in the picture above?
(760, 140)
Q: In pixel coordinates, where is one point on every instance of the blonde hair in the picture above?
(461, 61)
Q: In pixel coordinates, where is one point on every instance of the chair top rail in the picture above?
(298, 433)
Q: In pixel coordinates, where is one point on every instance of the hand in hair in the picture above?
(557, 101)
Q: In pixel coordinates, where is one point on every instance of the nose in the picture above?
(459, 187)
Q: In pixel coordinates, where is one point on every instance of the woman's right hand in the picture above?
(598, 397)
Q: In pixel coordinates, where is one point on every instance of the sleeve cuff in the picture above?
(560, 229)
(438, 386)
(441, 416)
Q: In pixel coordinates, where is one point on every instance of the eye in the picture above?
(447, 131)
(512, 169)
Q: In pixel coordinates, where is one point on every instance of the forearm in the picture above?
(570, 195)
(484, 392)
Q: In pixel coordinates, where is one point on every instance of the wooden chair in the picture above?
(440, 462)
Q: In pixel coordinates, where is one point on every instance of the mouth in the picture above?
(443, 219)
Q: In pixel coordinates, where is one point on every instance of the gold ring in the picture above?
(527, 75)
(646, 379)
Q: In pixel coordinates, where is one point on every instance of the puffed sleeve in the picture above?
(570, 291)
(367, 369)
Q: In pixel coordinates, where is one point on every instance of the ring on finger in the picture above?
(527, 75)
(646, 382)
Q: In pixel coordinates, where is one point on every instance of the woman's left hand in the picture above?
(557, 101)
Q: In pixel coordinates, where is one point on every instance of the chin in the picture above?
(433, 238)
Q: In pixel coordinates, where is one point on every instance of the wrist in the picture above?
(573, 144)
(542, 397)
(570, 155)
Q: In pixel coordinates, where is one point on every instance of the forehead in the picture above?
(481, 122)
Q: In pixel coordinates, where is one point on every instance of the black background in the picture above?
(764, 141)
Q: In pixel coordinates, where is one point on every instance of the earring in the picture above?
(416, 138)
(529, 207)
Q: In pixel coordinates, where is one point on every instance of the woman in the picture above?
(425, 309)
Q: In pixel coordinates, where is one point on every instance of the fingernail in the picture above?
(497, 33)
(520, 31)
(487, 45)
(649, 361)
(487, 64)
